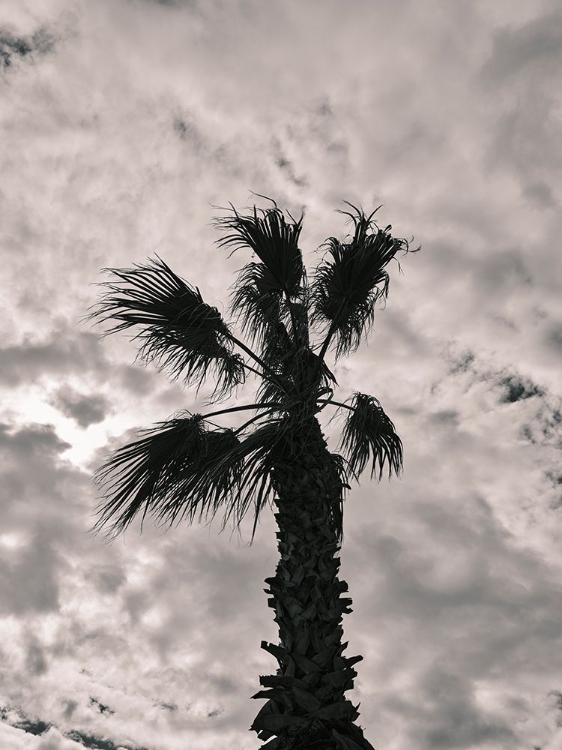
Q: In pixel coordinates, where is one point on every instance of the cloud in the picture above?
(31, 472)
(13, 47)
(456, 607)
(29, 582)
(34, 733)
(85, 409)
(517, 390)
(528, 127)
(516, 48)
(35, 661)
(60, 353)
(554, 337)
(39, 440)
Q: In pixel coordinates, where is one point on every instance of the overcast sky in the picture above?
(122, 123)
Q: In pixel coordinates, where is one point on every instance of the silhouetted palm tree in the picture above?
(184, 466)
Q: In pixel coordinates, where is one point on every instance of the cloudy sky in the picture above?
(123, 122)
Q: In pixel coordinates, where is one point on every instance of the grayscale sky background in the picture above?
(122, 123)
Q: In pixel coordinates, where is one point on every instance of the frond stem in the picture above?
(326, 342)
(329, 335)
(250, 421)
(335, 403)
(253, 369)
(239, 408)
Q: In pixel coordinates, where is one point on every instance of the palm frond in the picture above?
(257, 301)
(138, 477)
(273, 239)
(178, 330)
(232, 477)
(349, 282)
(179, 469)
(369, 434)
(257, 455)
(269, 392)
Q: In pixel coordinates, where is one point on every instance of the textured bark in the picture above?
(306, 706)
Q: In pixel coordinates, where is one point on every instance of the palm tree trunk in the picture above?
(306, 707)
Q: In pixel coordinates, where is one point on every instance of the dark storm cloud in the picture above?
(101, 707)
(84, 409)
(73, 353)
(32, 441)
(19, 720)
(38, 513)
(516, 388)
(514, 49)
(513, 386)
(555, 478)
(29, 581)
(30, 492)
(13, 47)
(53, 738)
(64, 351)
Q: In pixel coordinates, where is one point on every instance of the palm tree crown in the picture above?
(183, 466)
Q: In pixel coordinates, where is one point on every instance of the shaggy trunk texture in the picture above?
(306, 706)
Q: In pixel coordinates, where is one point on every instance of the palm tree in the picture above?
(187, 465)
